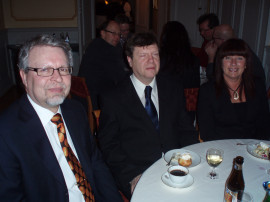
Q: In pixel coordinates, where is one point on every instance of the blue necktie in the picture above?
(150, 107)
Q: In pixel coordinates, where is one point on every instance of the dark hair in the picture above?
(175, 49)
(104, 25)
(140, 40)
(229, 48)
(211, 18)
(121, 19)
(43, 40)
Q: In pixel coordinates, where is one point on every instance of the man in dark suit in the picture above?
(102, 63)
(130, 139)
(41, 160)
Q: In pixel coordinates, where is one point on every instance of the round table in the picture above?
(151, 188)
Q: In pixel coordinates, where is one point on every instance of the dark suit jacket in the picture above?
(218, 117)
(103, 67)
(128, 139)
(29, 170)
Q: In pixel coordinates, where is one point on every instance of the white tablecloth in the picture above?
(150, 187)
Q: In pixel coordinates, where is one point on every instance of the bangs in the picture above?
(234, 47)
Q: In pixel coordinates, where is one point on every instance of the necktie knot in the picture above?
(56, 119)
(147, 91)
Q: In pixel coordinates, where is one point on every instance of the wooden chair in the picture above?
(268, 93)
(79, 89)
(195, 50)
(191, 95)
(96, 114)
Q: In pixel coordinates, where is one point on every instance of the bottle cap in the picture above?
(239, 160)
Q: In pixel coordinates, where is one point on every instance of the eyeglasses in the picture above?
(48, 71)
(113, 33)
(204, 30)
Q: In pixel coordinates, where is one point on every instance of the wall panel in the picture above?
(40, 13)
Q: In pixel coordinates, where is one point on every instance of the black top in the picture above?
(218, 118)
(189, 76)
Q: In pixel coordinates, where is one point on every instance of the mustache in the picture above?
(58, 85)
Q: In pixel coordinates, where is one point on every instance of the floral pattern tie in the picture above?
(73, 162)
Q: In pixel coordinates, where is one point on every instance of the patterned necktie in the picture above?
(73, 162)
(150, 107)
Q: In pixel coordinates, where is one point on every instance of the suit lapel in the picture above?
(131, 98)
(163, 94)
(76, 134)
(38, 140)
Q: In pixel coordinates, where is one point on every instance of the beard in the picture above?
(56, 100)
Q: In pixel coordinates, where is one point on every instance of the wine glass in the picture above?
(214, 157)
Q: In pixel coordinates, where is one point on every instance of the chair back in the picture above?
(195, 50)
(96, 114)
(80, 90)
(191, 95)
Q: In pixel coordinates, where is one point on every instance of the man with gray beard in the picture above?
(47, 152)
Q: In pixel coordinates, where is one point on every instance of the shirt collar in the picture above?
(140, 87)
(44, 114)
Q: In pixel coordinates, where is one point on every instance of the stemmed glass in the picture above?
(214, 157)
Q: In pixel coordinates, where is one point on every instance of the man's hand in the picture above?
(211, 49)
(134, 182)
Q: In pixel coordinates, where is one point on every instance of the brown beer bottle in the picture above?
(235, 184)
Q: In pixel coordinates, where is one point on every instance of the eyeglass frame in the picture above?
(70, 69)
(113, 33)
(204, 30)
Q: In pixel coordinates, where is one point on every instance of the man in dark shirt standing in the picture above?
(102, 64)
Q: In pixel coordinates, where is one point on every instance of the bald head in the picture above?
(222, 33)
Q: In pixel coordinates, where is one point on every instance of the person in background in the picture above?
(221, 34)
(123, 22)
(234, 104)
(143, 117)
(102, 64)
(47, 151)
(176, 57)
(207, 23)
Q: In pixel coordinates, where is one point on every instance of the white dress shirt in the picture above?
(140, 87)
(45, 115)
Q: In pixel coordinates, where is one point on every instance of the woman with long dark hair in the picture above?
(234, 104)
(176, 57)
